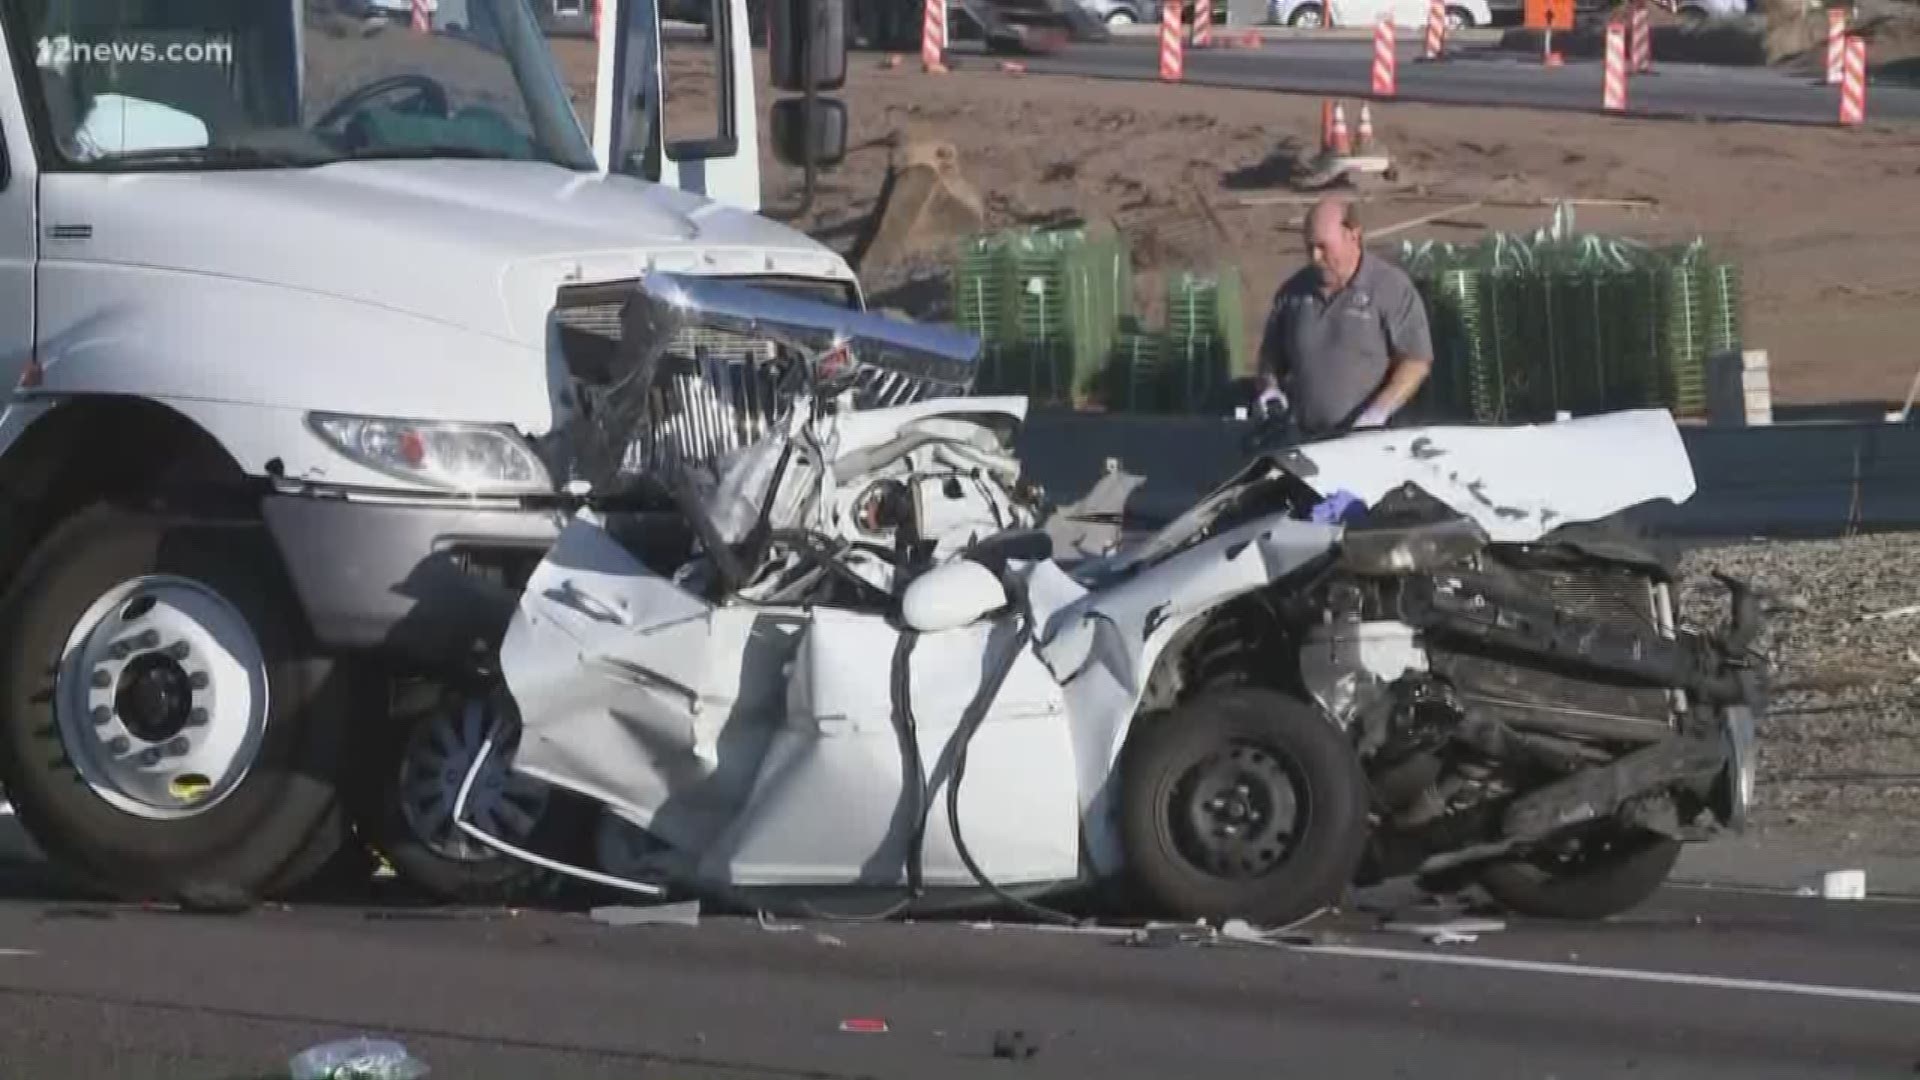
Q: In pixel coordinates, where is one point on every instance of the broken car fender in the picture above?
(1105, 645)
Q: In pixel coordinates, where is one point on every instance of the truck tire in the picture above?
(1622, 876)
(165, 729)
(1244, 803)
(416, 758)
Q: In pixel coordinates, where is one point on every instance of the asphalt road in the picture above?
(1485, 75)
(106, 992)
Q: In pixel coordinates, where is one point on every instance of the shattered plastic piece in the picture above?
(1161, 935)
(862, 1026)
(829, 940)
(357, 1059)
(681, 914)
(1454, 929)
(1844, 885)
(771, 927)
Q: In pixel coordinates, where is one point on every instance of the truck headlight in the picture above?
(472, 458)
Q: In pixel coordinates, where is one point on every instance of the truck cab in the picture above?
(293, 298)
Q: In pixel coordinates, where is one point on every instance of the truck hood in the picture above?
(477, 244)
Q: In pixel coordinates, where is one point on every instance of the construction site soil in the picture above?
(1824, 223)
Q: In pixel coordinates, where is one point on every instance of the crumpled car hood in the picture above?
(1518, 482)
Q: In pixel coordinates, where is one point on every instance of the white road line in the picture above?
(1715, 982)
(18, 952)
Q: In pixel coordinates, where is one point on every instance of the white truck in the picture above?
(291, 297)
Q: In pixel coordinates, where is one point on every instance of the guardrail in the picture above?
(1792, 480)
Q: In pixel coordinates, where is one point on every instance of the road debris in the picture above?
(356, 1059)
(686, 913)
(1447, 932)
(1892, 613)
(1014, 1045)
(1162, 935)
(1844, 885)
(864, 1026)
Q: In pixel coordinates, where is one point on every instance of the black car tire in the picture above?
(1259, 731)
(1623, 880)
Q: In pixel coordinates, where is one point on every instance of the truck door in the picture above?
(19, 246)
(689, 122)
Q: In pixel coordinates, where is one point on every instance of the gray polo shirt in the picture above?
(1332, 353)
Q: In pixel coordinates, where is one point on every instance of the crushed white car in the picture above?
(833, 664)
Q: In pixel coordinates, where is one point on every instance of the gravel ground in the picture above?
(1840, 754)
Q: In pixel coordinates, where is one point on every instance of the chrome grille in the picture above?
(712, 374)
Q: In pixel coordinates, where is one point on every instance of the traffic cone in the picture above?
(1342, 142)
(1366, 128)
(1326, 126)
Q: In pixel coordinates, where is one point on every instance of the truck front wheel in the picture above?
(165, 730)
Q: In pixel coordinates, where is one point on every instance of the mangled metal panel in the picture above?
(1103, 645)
(834, 802)
(1517, 483)
(639, 694)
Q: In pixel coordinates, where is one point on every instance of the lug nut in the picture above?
(178, 650)
(148, 640)
(150, 757)
(179, 746)
(198, 680)
(102, 678)
(118, 745)
(102, 714)
(197, 717)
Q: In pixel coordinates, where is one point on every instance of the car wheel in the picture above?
(166, 730)
(1120, 18)
(1244, 803)
(1306, 17)
(1599, 874)
(1459, 19)
(418, 754)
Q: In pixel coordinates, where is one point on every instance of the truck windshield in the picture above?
(122, 85)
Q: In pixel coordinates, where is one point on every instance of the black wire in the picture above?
(909, 729)
(962, 737)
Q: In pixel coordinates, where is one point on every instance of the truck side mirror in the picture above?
(825, 145)
(799, 30)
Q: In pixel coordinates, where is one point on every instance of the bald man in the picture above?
(1347, 339)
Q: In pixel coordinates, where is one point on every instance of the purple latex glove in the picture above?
(1337, 507)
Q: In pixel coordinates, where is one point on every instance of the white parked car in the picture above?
(1308, 14)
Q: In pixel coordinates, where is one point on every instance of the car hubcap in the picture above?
(438, 756)
(162, 698)
(1236, 814)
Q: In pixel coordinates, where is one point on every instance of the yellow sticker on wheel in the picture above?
(189, 787)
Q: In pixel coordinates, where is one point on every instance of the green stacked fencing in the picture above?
(1047, 305)
(1205, 339)
(1139, 379)
(1526, 327)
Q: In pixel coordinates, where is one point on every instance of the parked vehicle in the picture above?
(285, 292)
(1409, 14)
(1121, 12)
(1420, 651)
